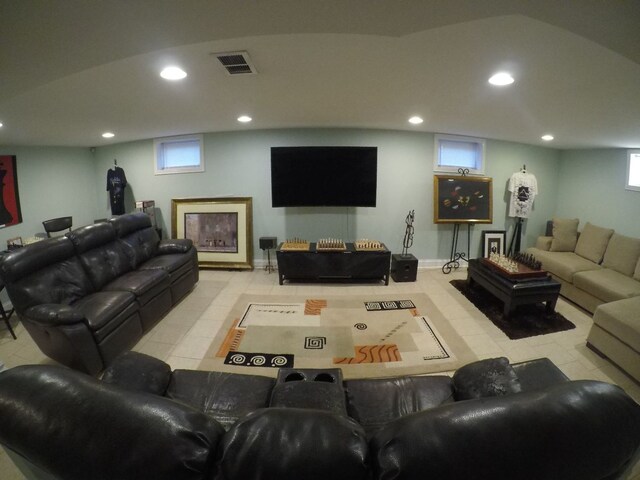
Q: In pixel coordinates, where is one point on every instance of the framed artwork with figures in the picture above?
(462, 199)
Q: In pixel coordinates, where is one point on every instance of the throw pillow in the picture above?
(492, 377)
(593, 242)
(636, 274)
(139, 373)
(565, 234)
(622, 254)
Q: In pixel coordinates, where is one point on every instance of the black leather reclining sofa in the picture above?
(88, 296)
(491, 420)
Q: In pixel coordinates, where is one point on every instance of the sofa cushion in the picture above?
(491, 377)
(144, 284)
(593, 242)
(140, 240)
(105, 311)
(294, 443)
(606, 284)
(563, 264)
(565, 234)
(223, 396)
(175, 264)
(377, 401)
(621, 319)
(636, 273)
(622, 254)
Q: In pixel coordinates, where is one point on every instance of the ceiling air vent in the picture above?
(236, 63)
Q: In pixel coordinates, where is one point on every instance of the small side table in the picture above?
(268, 243)
(6, 316)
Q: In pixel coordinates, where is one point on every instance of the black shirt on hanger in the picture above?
(116, 181)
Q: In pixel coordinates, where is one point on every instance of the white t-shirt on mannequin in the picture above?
(523, 187)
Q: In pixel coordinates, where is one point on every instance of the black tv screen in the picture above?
(324, 176)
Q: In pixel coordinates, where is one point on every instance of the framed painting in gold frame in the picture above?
(462, 199)
(221, 230)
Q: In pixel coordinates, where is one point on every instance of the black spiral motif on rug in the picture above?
(360, 326)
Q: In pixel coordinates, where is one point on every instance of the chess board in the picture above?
(523, 272)
(338, 246)
(295, 246)
(368, 246)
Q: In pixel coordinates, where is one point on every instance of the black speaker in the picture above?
(267, 243)
(404, 268)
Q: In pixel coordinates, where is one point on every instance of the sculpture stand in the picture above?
(454, 259)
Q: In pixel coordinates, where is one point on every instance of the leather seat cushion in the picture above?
(105, 311)
(175, 264)
(223, 396)
(376, 402)
(144, 284)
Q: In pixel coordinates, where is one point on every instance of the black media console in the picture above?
(349, 264)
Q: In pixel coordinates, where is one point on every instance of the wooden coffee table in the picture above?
(514, 292)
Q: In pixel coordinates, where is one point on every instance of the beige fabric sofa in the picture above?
(599, 270)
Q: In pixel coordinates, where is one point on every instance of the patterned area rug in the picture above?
(525, 321)
(365, 337)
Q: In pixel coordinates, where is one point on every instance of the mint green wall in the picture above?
(591, 188)
(238, 164)
(52, 182)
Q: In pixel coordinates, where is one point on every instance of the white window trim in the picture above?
(181, 138)
(628, 186)
(458, 138)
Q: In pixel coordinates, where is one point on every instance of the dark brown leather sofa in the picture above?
(90, 295)
(491, 420)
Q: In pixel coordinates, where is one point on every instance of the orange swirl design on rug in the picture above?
(372, 354)
(314, 306)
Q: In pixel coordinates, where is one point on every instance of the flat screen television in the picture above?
(324, 176)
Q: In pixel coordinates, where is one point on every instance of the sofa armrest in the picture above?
(544, 243)
(52, 314)
(520, 429)
(174, 245)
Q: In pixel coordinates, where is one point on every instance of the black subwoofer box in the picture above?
(404, 268)
(268, 243)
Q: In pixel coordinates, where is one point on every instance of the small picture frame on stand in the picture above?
(493, 241)
(14, 243)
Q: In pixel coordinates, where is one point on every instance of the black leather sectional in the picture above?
(491, 420)
(90, 295)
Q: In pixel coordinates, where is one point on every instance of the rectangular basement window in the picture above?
(183, 154)
(633, 170)
(453, 152)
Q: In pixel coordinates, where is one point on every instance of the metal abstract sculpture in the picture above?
(407, 242)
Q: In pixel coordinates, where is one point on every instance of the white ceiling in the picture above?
(73, 69)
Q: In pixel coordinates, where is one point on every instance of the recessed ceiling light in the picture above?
(501, 79)
(0, 124)
(416, 120)
(173, 73)
(547, 138)
(108, 135)
(244, 118)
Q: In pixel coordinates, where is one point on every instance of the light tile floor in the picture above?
(183, 336)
